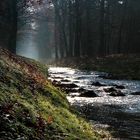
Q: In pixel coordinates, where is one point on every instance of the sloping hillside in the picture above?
(31, 108)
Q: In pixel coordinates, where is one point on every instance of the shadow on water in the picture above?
(122, 125)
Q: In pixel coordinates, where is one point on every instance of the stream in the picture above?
(116, 113)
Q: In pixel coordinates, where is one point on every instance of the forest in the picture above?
(69, 69)
(78, 28)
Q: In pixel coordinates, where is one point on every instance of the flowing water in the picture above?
(120, 115)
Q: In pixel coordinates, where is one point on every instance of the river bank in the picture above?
(118, 66)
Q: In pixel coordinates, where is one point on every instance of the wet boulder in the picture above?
(70, 90)
(98, 84)
(119, 86)
(88, 93)
(64, 85)
(65, 80)
(81, 90)
(71, 85)
(73, 90)
(67, 87)
(135, 93)
(112, 89)
(116, 93)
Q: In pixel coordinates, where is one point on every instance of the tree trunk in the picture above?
(121, 28)
(102, 37)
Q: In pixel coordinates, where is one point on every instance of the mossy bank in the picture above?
(31, 108)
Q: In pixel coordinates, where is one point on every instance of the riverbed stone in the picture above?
(112, 89)
(135, 93)
(72, 85)
(98, 84)
(64, 85)
(88, 93)
(119, 86)
(116, 93)
(81, 90)
(65, 80)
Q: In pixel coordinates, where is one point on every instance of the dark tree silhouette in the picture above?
(8, 24)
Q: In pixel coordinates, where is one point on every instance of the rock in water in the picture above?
(70, 90)
(88, 93)
(116, 93)
(135, 93)
(68, 85)
(64, 85)
(120, 86)
(98, 84)
(65, 80)
(112, 89)
(81, 90)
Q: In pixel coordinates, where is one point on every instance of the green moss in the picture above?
(31, 109)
